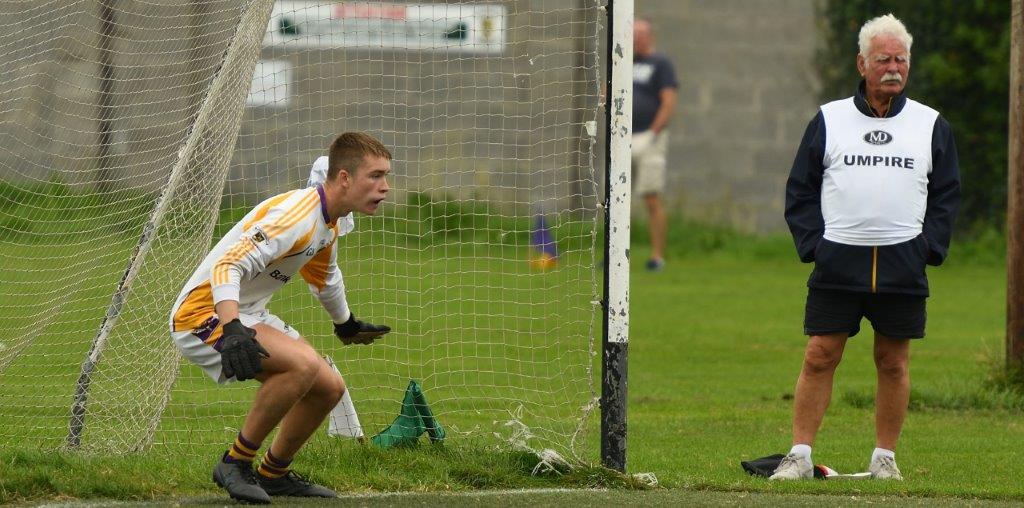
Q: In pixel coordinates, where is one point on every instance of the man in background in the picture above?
(654, 100)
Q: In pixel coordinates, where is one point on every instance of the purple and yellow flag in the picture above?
(545, 250)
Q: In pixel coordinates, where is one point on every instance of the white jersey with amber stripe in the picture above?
(287, 234)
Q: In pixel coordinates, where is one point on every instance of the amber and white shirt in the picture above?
(287, 234)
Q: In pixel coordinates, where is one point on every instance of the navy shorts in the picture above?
(897, 316)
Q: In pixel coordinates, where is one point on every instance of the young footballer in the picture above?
(220, 320)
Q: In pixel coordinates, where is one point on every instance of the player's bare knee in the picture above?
(891, 366)
(306, 366)
(335, 389)
(821, 360)
(339, 384)
(328, 387)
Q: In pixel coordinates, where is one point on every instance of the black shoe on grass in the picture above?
(292, 484)
(655, 265)
(239, 479)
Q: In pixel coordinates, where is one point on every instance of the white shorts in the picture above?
(193, 346)
(649, 155)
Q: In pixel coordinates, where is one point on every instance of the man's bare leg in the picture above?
(814, 386)
(308, 413)
(892, 360)
(658, 225)
(288, 375)
(299, 390)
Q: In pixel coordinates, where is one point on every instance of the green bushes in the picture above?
(960, 66)
(51, 212)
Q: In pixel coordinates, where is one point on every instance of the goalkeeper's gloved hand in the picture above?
(240, 353)
(355, 331)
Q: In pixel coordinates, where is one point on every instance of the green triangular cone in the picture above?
(433, 427)
(415, 419)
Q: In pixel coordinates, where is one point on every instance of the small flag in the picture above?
(343, 420)
(415, 419)
(545, 250)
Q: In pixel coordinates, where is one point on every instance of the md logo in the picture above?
(878, 137)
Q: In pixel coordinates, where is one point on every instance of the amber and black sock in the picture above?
(273, 467)
(242, 450)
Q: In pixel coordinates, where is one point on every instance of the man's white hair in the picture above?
(883, 25)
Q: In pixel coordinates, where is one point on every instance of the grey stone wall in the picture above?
(747, 90)
(502, 128)
(161, 55)
(506, 128)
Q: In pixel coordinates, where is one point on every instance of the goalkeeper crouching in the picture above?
(220, 320)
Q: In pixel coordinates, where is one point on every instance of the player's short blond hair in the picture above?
(883, 25)
(349, 150)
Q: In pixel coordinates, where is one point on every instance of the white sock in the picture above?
(801, 449)
(882, 452)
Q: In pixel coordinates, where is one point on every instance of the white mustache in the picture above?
(892, 77)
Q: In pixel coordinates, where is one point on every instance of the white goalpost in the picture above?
(133, 133)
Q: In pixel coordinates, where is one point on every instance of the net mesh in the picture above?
(135, 133)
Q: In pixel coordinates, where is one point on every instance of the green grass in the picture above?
(452, 281)
(715, 347)
(343, 464)
(559, 497)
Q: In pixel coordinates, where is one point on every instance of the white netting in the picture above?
(122, 119)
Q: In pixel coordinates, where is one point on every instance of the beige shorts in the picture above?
(649, 154)
(201, 345)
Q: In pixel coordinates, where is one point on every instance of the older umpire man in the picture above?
(871, 199)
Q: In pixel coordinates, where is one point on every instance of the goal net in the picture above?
(133, 133)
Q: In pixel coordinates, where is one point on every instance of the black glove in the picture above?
(240, 354)
(355, 331)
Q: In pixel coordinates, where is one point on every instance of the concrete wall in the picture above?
(505, 128)
(748, 89)
(53, 99)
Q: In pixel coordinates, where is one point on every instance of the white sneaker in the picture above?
(794, 467)
(884, 468)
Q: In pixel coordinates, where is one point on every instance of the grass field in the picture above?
(489, 340)
(712, 377)
(715, 348)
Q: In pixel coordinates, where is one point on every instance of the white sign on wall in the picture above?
(474, 28)
(271, 80)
